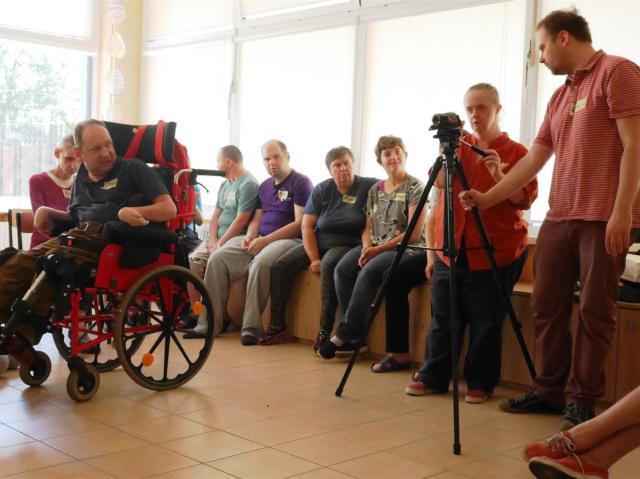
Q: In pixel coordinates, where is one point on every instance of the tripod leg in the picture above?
(375, 306)
(506, 300)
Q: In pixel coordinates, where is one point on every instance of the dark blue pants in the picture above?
(481, 308)
(357, 288)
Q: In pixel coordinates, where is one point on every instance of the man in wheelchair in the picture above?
(106, 188)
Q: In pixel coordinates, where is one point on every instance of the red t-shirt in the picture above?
(580, 127)
(504, 222)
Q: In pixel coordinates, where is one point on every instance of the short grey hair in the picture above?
(77, 132)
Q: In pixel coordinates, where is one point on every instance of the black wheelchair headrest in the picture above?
(155, 146)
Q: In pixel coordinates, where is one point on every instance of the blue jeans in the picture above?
(481, 308)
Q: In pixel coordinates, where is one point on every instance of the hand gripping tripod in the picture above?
(448, 126)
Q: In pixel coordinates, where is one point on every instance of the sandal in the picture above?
(274, 336)
(389, 364)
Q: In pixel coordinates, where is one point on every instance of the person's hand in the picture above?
(315, 266)
(428, 270)
(132, 217)
(367, 254)
(492, 163)
(212, 245)
(255, 246)
(472, 198)
(618, 233)
(42, 221)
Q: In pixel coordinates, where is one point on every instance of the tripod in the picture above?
(449, 136)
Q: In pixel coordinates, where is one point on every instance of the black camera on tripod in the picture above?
(448, 128)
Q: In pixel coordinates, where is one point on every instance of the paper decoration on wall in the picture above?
(115, 78)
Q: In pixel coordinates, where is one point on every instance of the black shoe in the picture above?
(575, 414)
(248, 340)
(321, 338)
(193, 334)
(529, 403)
(189, 321)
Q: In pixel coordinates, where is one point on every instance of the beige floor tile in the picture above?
(71, 470)
(235, 393)
(625, 469)
(382, 435)
(96, 443)
(534, 426)
(324, 473)
(115, 416)
(140, 462)
(201, 471)
(379, 465)
(423, 421)
(437, 451)
(54, 426)
(11, 437)
(211, 446)
(30, 456)
(448, 475)
(10, 394)
(274, 431)
(326, 449)
(181, 400)
(24, 410)
(223, 417)
(264, 464)
(496, 467)
(277, 405)
(164, 428)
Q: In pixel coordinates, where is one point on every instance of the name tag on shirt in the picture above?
(400, 197)
(348, 199)
(580, 105)
(283, 195)
(111, 184)
(230, 199)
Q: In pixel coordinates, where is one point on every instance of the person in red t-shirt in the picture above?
(592, 125)
(480, 305)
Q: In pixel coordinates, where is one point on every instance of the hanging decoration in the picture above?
(115, 79)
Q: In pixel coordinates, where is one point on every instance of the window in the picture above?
(171, 17)
(262, 8)
(421, 65)
(43, 93)
(190, 85)
(614, 33)
(298, 89)
(66, 18)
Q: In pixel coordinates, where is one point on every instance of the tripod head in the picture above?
(448, 128)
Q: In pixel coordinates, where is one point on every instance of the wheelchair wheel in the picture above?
(104, 355)
(165, 360)
(81, 387)
(38, 372)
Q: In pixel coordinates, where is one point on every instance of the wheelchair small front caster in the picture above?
(37, 372)
(83, 381)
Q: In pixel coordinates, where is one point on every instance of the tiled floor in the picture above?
(259, 412)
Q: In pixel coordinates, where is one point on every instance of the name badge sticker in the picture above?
(348, 199)
(580, 105)
(400, 197)
(283, 195)
(111, 184)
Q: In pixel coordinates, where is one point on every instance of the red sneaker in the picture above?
(476, 396)
(556, 447)
(569, 466)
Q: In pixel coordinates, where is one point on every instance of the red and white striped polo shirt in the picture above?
(580, 127)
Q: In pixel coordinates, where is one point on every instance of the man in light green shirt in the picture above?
(237, 200)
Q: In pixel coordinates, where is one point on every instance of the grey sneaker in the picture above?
(575, 414)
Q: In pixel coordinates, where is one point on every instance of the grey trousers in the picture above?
(231, 263)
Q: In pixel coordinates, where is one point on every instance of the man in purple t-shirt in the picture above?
(274, 230)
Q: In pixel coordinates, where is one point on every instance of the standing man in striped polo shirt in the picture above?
(592, 125)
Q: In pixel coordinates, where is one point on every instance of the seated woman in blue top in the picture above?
(390, 205)
(332, 224)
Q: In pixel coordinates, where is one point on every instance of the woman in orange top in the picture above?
(480, 305)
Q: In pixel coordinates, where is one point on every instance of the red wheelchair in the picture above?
(129, 308)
